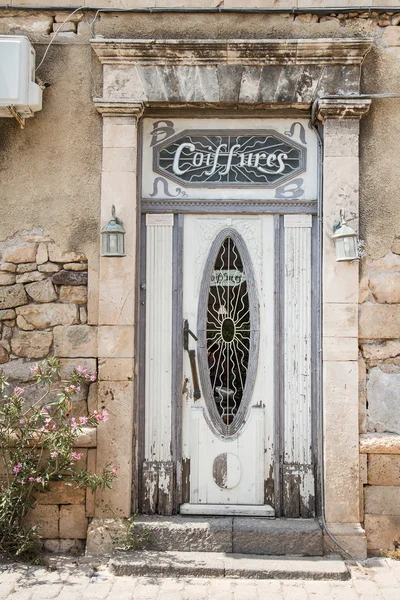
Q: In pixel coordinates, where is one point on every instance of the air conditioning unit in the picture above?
(18, 91)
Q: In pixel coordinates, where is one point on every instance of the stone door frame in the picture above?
(242, 72)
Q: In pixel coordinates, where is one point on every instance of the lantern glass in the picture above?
(112, 234)
(346, 241)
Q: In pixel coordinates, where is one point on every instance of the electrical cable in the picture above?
(55, 34)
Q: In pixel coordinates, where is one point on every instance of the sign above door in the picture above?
(212, 158)
(229, 159)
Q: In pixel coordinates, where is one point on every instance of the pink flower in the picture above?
(93, 377)
(83, 420)
(34, 527)
(23, 482)
(76, 455)
(34, 369)
(105, 415)
(22, 421)
(19, 391)
(114, 471)
(31, 479)
(39, 479)
(74, 424)
(17, 468)
(54, 454)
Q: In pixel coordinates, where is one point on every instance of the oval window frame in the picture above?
(214, 419)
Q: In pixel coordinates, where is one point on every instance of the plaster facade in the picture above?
(71, 162)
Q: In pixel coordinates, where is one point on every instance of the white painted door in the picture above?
(228, 413)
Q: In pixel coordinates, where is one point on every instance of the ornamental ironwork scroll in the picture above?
(228, 331)
(248, 158)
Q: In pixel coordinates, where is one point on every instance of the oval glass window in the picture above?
(228, 332)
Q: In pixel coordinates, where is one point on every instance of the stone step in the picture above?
(240, 535)
(217, 564)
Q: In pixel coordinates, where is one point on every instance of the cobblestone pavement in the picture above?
(375, 579)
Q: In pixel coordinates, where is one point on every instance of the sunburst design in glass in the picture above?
(228, 332)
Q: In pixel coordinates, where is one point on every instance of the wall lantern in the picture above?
(346, 240)
(112, 234)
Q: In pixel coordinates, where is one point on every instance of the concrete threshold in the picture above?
(218, 564)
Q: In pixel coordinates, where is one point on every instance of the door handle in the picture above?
(192, 358)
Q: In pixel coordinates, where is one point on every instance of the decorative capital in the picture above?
(110, 108)
(338, 108)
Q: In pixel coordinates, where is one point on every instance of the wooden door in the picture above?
(228, 372)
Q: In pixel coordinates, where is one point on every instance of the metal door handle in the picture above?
(186, 333)
(192, 358)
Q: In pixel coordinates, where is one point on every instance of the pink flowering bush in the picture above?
(37, 447)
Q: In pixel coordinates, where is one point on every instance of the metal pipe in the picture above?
(218, 10)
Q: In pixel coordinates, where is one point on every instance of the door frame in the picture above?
(247, 206)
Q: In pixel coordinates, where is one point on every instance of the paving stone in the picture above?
(146, 591)
(46, 591)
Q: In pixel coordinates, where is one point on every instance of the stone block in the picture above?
(277, 537)
(377, 321)
(100, 535)
(18, 371)
(384, 469)
(59, 256)
(3, 355)
(42, 316)
(385, 287)
(178, 533)
(73, 522)
(7, 315)
(379, 443)
(383, 531)
(362, 395)
(31, 276)
(68, 365)
(116, 369)
(31, 344)
(75, 266)
(7, 278)
(340, 320)
(70, 278)
(63, 27)
(26, 268)
(114, 445)
(351, 536)
(83, 316)
(383, 401)
(75, 341)
(20, 254)
(42, 255)
(381, 350)
(382, 500)
(71, 547)
(12, 296)
(49, 267)
(61, 493)
(42, 291)
(340, 348)
(8, 267)
(116, 341)
(391, 36)
(92, 400)
(23, 324)
(47, 520)
(73, 293)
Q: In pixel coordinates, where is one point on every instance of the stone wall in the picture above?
(379, 365)
(43, 312)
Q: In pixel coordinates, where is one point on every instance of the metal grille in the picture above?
(228, 331)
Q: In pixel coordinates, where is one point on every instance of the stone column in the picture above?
(340, 324)
(117, 305)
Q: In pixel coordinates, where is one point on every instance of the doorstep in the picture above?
(215, 564)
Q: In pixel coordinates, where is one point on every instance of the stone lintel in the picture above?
(342, 108)
(328, 51)
(379, 443)
(120, 108)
